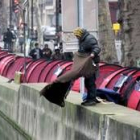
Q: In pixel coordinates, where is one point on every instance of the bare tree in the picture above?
(38, 19)
(130, 21)
(106, 36)
(3, 15)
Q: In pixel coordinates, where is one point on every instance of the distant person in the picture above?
(47, 52)
(68, 56)
(35, 35)
(57, 55)
(36, 53)
(8, 40)
(61, 46)
(21, 42)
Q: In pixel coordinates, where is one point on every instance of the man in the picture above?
(47, 52)
(36, 53)
(8, 40)
(89, 45)
(21, 42)
(57, 54)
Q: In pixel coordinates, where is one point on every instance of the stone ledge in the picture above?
(3, 79)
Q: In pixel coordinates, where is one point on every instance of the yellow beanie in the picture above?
(78, 32)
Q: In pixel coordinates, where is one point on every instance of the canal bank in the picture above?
(40, 120)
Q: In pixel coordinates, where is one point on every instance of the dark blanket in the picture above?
(82, 66)
(57, 91)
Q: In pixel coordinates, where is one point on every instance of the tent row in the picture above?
(116, 83)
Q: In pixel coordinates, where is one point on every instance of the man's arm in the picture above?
(41, 53)
(31, 52)
(95, 48)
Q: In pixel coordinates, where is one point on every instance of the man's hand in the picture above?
(92, 55)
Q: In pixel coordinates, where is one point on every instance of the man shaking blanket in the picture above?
(87, 55)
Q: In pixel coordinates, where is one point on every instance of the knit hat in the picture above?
(78, 32)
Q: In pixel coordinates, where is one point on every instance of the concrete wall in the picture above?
(9, 99)
(43, 120)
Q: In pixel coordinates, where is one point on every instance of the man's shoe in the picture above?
(89, 103)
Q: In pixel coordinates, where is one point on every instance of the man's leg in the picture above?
(21, 48)
(91, 91)
(5, 45)
(10, 47)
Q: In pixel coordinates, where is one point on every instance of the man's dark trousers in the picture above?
(91, 87)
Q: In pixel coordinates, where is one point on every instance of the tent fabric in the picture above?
(134, 99)
(35, 70)
(129, 88)
(138, 107)
(51, 72)
(46, 70)
(63, 68)
(104, 71)
(15, 66)
(126, 73)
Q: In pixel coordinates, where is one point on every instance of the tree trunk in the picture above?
(38, 19)
(130, 21)
(106, 36)
(3, 16)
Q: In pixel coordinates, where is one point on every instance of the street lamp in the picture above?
(58, 12)
(81, 24)
(32, 19)
(23, 9)
(10, 13)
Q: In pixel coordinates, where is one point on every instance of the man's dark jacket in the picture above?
(89, 44)
(8, 37)
(33, 55)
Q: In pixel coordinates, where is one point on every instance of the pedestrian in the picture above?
(47, 52)
(21, 42)
(89, 45)
(57, 55)
(36, 53)
(8, 40)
